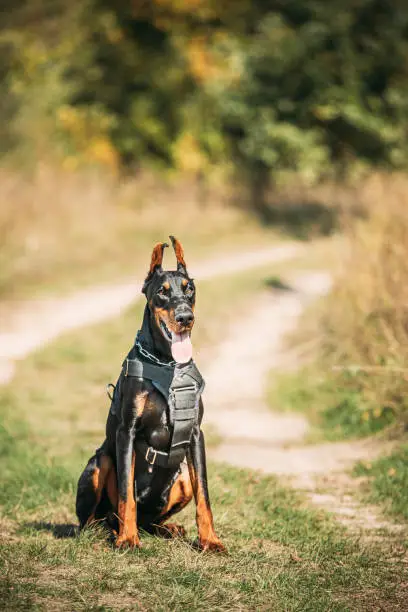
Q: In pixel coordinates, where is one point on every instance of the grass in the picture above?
(388, 481)
(334, 407)
(355, 383)
(282, 554)
(329, 399)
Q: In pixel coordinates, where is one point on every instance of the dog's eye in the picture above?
(161, 291)
(189, 290)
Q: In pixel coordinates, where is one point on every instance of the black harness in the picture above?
(181, 385)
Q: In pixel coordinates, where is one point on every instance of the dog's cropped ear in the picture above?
(156, 263)
(178, 249)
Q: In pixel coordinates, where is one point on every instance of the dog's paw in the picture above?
(128, 541)
(212, 545)
(170, 530)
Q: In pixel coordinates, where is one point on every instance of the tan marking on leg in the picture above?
(181, 493)
(98, 481)
(205, 523)
(128, 534)
(95, 479)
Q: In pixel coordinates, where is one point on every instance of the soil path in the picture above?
(254, 437)
(37, 322)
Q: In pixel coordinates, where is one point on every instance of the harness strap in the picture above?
(181, 386)
(158, 458)
(160, 375)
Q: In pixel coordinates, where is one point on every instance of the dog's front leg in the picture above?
(208, 539)
(125, 457)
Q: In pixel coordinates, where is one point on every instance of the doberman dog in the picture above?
(138, 478)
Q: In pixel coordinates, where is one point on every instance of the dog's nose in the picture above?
(184, 318)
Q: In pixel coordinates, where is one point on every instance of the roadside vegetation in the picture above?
(387, 481)
(353, 381)
(62, 229)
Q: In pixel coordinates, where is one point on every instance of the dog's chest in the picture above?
(154, 421)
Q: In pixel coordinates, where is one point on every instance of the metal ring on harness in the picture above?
(108, 392)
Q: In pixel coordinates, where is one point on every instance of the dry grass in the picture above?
(366, 317)
(354, 379)
(59, 229)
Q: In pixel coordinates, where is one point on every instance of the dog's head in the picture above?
(171, 299)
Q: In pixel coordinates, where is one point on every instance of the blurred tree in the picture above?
(271, 86)
(323, 88)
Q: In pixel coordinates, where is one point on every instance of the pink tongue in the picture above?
(181, 347)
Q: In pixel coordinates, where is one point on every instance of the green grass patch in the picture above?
(333, 404)
(282, 555)
(26, 478)
(388, 481)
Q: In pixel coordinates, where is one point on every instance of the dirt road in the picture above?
(37, 322)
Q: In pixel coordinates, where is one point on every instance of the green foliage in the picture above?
(273, 87)
(318, 88)
(347, 416)
(335, 405)
(388, 481)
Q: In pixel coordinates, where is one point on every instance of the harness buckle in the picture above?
(151, 461)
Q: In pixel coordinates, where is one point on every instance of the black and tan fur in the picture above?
(116, 484)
